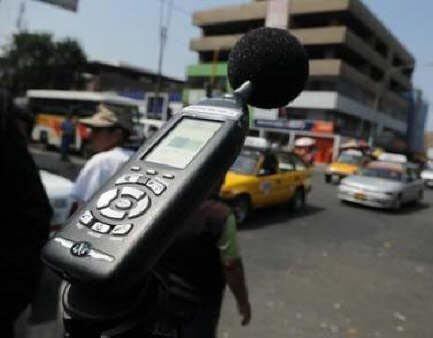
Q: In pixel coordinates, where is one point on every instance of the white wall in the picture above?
(334, 101)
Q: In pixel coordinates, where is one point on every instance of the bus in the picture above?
(50, 107)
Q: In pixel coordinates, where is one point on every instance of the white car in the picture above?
(427, 175)
(58, 189)
(382, 185)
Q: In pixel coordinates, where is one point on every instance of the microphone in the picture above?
(274, 62)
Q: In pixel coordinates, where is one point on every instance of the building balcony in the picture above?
(323, 36)
(327, 68)
(334, 101)
(355, 9)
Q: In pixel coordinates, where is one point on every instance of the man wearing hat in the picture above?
(110, 129)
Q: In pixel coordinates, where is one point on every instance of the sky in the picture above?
(127, 31)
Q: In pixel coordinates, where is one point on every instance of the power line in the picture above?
(164, 24)
(179, 9)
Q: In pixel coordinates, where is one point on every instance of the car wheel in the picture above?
(420, 196)
(241, 208)
(397, 203)
(298, 200)
(328, 178)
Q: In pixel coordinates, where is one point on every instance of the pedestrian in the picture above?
(25, 218)
(207, 257)
(68, 136)
(110, 130)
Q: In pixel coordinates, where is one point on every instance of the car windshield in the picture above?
(349, 158)
(381, 173)
(246, 163)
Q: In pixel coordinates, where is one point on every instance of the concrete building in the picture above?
(359, 71)
(417, 119)
(138, 83)
(428, 143)
(127, 79)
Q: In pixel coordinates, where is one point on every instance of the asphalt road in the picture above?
(335, 270)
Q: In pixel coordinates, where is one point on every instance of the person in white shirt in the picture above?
(110, 129)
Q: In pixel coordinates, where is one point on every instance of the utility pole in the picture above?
(20, 24)
(164, 23)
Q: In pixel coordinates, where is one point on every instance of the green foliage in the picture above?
(35, 61)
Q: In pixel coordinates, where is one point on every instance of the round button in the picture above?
(123, 204)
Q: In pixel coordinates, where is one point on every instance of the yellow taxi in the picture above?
(347, 164)
(261, 177)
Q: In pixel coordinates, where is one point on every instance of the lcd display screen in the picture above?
(183, 143)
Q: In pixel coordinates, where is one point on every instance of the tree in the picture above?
(35, 61)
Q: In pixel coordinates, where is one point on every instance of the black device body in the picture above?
(113, 241)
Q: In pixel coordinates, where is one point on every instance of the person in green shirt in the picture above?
(207, 257)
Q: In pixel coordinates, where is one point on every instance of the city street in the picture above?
(266, 88)
(335, 270)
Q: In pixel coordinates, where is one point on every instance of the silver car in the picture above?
(383, 185)
(427, 174)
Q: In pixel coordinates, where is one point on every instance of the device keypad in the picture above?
(121, 229)
(113, 214)
(129, 179)
(87, 218)
(156, 186)
(106, 198)
(126, 201)
(140, 208)
(123, 204)
(101, 227)
(132, 192)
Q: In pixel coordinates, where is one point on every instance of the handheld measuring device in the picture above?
(143, 206)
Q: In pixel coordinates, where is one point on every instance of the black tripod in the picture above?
(157, 309)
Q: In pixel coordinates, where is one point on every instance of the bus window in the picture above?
(50, 108)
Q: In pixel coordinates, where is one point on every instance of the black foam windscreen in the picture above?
(275, 63)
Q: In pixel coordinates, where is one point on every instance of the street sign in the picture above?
(70, 5)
